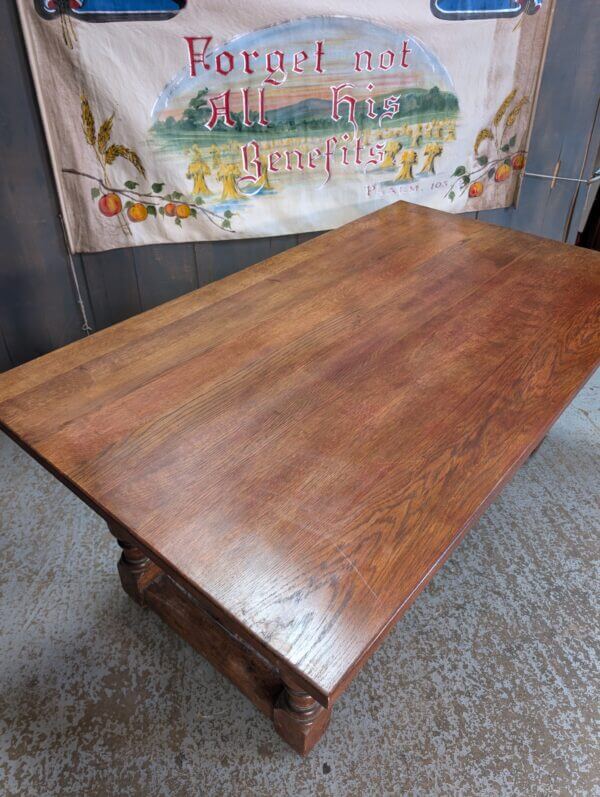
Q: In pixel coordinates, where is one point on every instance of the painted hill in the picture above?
(305, 109)
(311, 114)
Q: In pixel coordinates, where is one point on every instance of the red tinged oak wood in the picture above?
(136, 570)
(300, 446)
(299, 719)
(254, 676)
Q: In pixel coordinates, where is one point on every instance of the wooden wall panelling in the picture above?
(281, 243)
(563, 123)
(38, 311)
(5, 358)
(203, 263)
(306, 236)
(81, 283)
(164, 272)
(221, 258)
(545, 210)
(112, 283)
(590, 166)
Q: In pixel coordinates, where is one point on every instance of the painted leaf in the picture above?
(131, 185)
(95, 193)
(151, 210)
(460, 170)
(157, 187)
(482, 161)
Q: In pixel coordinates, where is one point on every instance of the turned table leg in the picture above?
(135, 568)
(299, 719)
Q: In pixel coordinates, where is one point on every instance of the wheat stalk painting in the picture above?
(126, 203)
(506, 162)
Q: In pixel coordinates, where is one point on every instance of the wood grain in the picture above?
(253, 676)
(304, 443)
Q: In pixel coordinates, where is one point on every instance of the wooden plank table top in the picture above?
(302, 444)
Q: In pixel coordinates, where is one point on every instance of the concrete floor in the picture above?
(488, 686)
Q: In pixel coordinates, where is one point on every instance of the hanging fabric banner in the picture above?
(173, 121)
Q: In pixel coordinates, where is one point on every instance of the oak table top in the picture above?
(302, 444)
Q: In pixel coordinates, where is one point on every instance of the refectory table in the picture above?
(287, 456)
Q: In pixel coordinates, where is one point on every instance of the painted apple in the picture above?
(137, 212)
(476, 189)
(171, 209)
(183, 211)
(110, 204)
(518, 162)
(502, 173)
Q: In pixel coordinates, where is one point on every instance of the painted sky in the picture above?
(342, 37)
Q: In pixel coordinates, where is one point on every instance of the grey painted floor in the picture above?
(488, 686)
